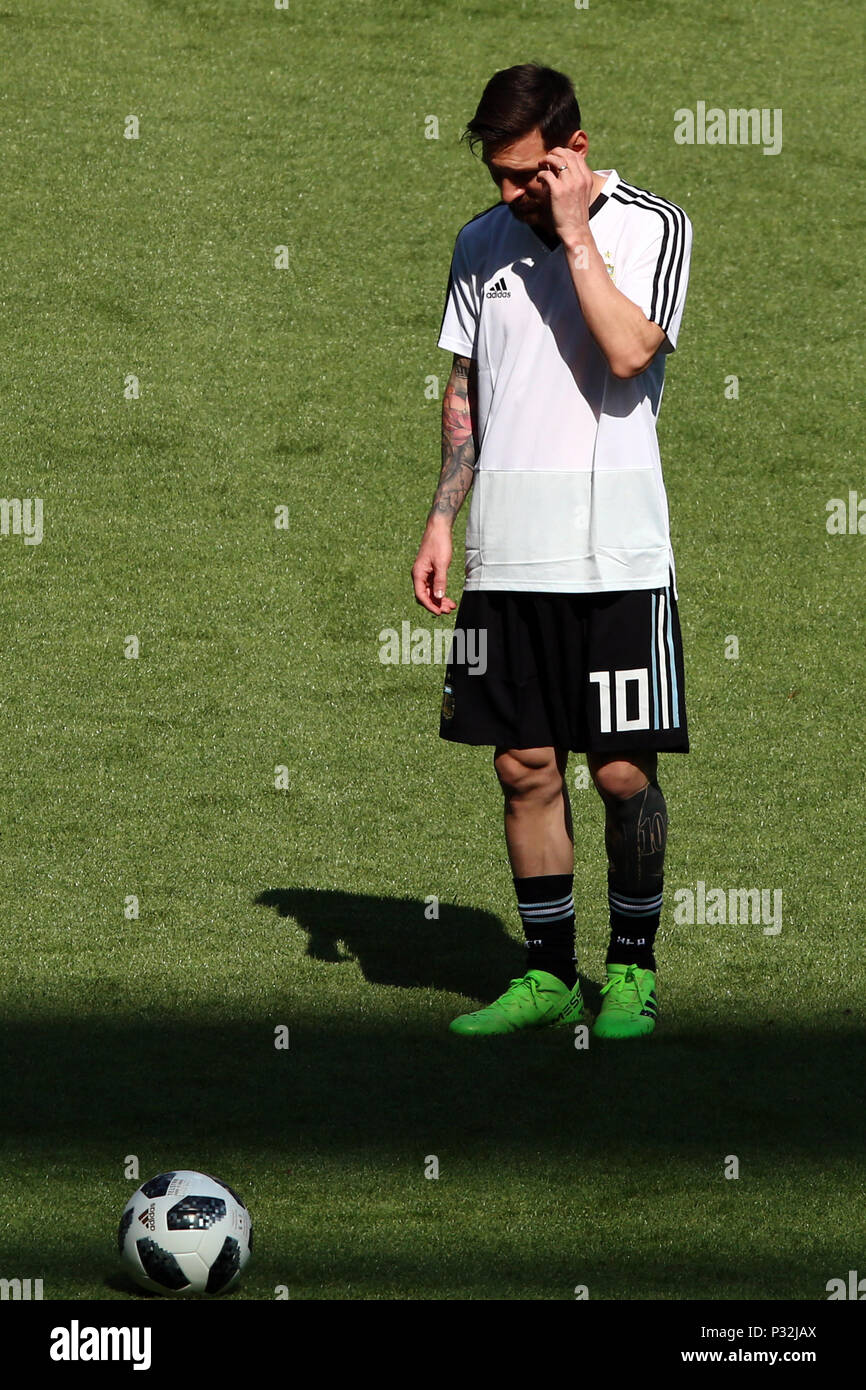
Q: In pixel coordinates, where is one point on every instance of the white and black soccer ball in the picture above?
(183, 1233)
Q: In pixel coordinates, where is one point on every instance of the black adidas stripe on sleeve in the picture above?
(669, 266)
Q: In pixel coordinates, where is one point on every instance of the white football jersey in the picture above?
(568, 492)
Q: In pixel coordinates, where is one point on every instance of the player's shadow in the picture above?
(395, 942)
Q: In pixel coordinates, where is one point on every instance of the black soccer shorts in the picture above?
(590, 672)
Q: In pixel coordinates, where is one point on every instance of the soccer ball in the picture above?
(185, 1233)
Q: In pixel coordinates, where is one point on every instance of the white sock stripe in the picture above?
(621, 898)
(550, 902)
(635, 907)
(548, 914)
(639, 911)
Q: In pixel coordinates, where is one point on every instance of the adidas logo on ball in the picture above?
(185, 1232)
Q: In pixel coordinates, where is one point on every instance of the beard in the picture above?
(532, 213)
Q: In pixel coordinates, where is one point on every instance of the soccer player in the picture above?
(563, 301)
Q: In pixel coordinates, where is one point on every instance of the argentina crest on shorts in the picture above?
(448, 701)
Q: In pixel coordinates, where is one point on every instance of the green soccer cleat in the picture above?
(629, 1006)
(538, 1000)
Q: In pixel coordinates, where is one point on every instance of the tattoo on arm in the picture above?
(459, 411)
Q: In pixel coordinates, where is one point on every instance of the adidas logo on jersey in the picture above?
(499, 291)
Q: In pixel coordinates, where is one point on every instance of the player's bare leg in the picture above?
(635, 838)
(538, 830)
(540, 842)
(621, 774)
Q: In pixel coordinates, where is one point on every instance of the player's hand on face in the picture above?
(569, 189)
(430, 572)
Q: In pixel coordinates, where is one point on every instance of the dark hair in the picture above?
(518, 99)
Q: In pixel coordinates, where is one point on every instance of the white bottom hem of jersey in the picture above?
(595, 586)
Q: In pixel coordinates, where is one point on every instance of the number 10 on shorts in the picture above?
(621, 682)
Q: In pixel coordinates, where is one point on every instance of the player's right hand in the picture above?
(430, 570)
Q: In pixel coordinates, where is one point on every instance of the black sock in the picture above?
(546, 908)
(635, 837)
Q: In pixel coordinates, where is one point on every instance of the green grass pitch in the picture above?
(153, 776)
